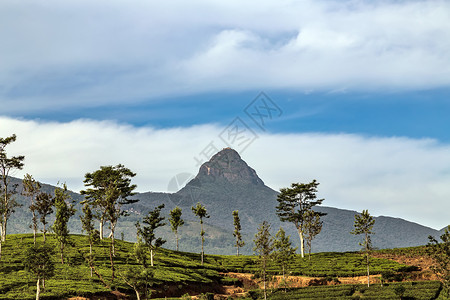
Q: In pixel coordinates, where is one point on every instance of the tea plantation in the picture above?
(177, 273)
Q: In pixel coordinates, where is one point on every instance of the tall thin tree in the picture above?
(64, 211)
(200, 211)
(31, 188)
(88, 226)
(263, 248)
(38, 261)
(313, 226)
(7, 165)
(153, 220)
(294, 203)
(176, 221)
(44, 206)
(284, 253)
(237, 231)
(440, 254)
(363, 225)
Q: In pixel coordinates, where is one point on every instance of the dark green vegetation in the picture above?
(174, 271)
(326, 264)
(426, 290)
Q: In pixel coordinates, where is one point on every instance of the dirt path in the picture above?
(424, 263)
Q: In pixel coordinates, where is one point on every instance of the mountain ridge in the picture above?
(226, 183)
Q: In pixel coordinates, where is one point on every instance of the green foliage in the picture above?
(237, 231)
(109, 188)
(7, 201)
(38, 261)
(73, 278)
(263, 248)
(284, 253)
(44, 206)
(176, 221)
(295, 203)
(153, 220)
(440, 252)
(425, 290)
(200, 211)
(31, 188)
(64, 211)
(363, 225)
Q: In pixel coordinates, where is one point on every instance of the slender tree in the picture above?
(294, 203)
(31, 188)
(200, 211)
(313, 226)
(263, 248)
(88, 226)
(139, 277)
(363, 225)
(44, 206)
(284, 253)
(440, 253)
(237, 231)
(153, 220)
(7, 201)
(176, 221)
(64, 211)
(38, 261)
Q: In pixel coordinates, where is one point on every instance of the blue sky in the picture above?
(415, 114)
(363, 90)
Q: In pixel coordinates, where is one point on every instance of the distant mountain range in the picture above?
(226, 183)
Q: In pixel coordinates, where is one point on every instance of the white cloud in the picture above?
(91, 53)
(398, 177)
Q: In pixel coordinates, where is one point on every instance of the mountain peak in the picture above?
(227, 164)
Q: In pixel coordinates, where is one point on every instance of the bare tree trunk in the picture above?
(176, 233)
(202, 240)
(138, 297)
(44, 232)
(101, 228)
(34, 227)
(368, 272)
(237, 252)
(302, 246)
(38, 289)
(151, 257)
(61, 247)
(112, 242)
(264, 279)
(90, 256)
(0, 249)
(112, 264)
(4, 226)
(367, 253)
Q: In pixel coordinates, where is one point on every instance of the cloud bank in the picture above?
(64, 54)
(396, 176)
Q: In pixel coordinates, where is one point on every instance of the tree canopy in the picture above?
(295, 202)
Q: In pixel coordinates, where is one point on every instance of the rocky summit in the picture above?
(229, 166)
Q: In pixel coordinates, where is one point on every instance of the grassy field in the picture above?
(176, 273)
